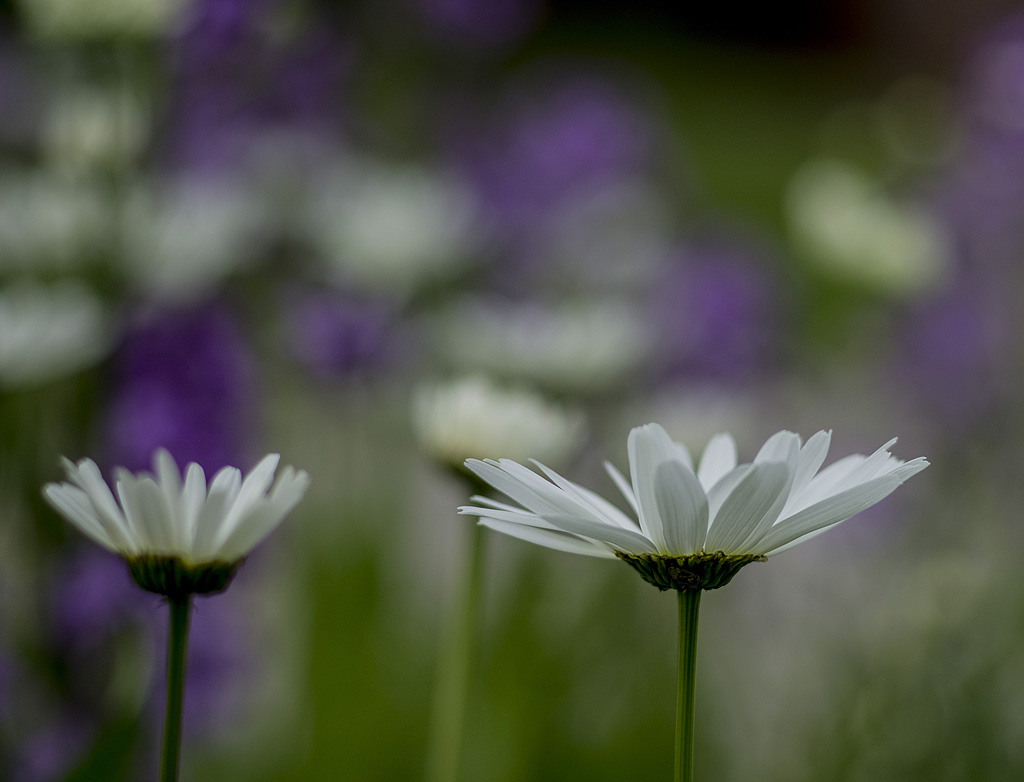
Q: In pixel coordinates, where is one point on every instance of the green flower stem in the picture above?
(177, 650)
(689, 611)
(444, 750)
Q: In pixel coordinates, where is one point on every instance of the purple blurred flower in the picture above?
(22, 97)
(215, 28)
(93, 597)
(334, 335)
(718, 312)
(219, 667)
(50, 754)
(184, 381)
(7, 677)
(994, 97)
(479, 24)
(981, 197)
(950, 353)
(236, 83)
(554, 144)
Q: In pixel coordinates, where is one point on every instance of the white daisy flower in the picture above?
(854, 232)
(696, 525)
(49, 331)
(474, 417)
(183, 238)
(76, 20)
(576, 347)
(392, 229)
(178, 535)
(49, 222)
(89, 129)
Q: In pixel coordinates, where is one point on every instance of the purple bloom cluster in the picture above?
(551, 145)
(483, 25)
(719, 313)
(332, 334)
(52, 752)
(95, 596)
(183, 381)
(220, 664)
(961, 331)
(234, 82)
(956, 335)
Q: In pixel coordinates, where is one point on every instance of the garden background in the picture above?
(229, 227)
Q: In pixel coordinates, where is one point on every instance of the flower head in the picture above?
(573, 348)
(73, 20)
(49, 331)
(857, 234)
(391, 229)
(178, 536)
(696, 525)
(184, 379)
(475, 416)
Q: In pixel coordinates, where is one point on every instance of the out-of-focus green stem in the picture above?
(444, 750)
(177, 650)
(689, 611)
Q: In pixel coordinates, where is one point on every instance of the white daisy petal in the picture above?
(167, 474)
(719, 458)
(838, 507)
(73, 503)
(488, 502)
(223, 490)
(525, 487)
(720, 492)
(753, 499)
(623, 485)
(264, 518)
(682, 453)
(811, 457)
(599, 505)
(826, 482)
(683, 507)
(511, 516)
(193, 496)
(252, 491)
(148, 516)
(648, 447)
(616, 537)
(86, 475)
(780, 447)
(551, 539)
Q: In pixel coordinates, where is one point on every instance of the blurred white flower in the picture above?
(163, 516)
(589, 238)
(698, 524)
(475, 417)
(86, 19)
(392, 229)
(581, 347)
(48, 222)
(694, 414)
(182, 238)
(91, 128)
(851, 230)
(49, 331)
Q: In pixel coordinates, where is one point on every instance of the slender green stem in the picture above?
(689, 611)
(444, 750)
(177, 650)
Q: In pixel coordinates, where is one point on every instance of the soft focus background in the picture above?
(229, 227)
